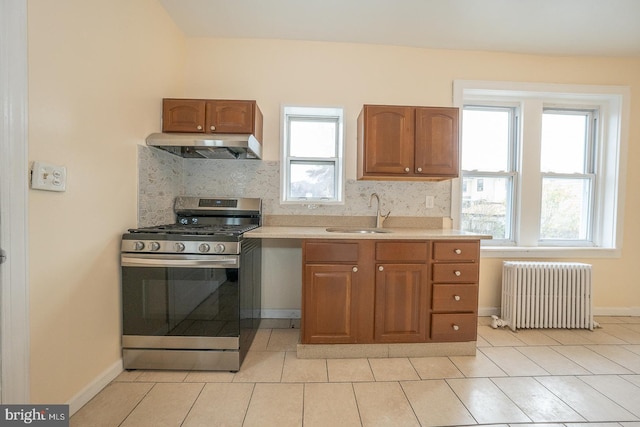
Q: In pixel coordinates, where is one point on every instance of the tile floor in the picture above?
(530, 377)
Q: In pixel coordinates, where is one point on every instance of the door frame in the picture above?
(14, 170)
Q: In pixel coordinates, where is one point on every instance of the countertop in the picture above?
(297, 232)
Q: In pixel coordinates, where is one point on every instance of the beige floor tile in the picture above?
(384, 404)
(477, 366)
(623, 332)
(567, 336)
(111, 406)
(275, 405)
(535, 337)
(591, 361)
(631, 424)
(165, 405)
(598, 336)
(513, 362)
(220, 404)
(552, 361)
(617, 389)
(536, 402)
(431, 368)
(585, 400)
(435, 404)
(633, 379)
(481, 342)
(393, 369)
(275, 323)
(303, 370)
(635, 348)
(260, 340)
(486, 402)
(283, 340)
(349, 370)
(609, 319)
(162, 376)
(332, 404)
(126, 376)
(261, 366)
(209, 377)
(619, 355)
(499, 337)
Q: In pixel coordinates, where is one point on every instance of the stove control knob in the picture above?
(204, 247)
(154, 246)
(219, 248)
(138, 246)
(179, 247)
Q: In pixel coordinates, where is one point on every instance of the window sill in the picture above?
(548, 252)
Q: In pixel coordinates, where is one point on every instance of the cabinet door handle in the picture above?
(457, 297)
(199, 127)
(456, 327)
(355, 269)
(407, 169)
(419, 169)
(213, 127)
(458, 251)
(380, 268)
(458, 273)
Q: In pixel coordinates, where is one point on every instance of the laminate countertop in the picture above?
(297, 232)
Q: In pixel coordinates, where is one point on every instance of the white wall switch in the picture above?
(45, 176)
(429, 202)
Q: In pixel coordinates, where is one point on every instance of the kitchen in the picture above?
(74, 324)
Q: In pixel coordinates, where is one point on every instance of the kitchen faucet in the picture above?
(379, 217)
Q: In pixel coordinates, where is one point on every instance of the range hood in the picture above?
(208, 146)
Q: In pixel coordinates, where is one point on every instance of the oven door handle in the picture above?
(184, 262)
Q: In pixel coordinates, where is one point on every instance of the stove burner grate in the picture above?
(196, 229)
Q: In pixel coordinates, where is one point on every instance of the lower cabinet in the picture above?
(371, 291)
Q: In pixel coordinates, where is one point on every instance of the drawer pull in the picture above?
(380, 268)
(354, 269)
(458, 251)
(457, 297)
(199, 127)
(458, 273)
(456, 327)
(213, 127)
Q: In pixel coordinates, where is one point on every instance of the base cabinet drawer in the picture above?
(454, 327)
(454, 297)
(455, 272)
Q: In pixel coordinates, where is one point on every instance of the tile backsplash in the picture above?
(163, 176)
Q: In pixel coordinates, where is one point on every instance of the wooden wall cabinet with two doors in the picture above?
(407, 143)
(381, 291)
(211, 116)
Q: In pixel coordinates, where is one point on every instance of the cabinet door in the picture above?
(436, 142)
(402, 303)
(183, 115)
(328, 304)
(224, 116)
(388, 140)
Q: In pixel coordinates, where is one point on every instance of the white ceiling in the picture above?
(556, 27)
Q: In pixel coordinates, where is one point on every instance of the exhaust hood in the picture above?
(208, 146)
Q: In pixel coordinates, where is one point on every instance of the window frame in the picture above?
(303, 113)
(613, 103)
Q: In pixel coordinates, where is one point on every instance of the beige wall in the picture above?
(349, 75)
(97, 73)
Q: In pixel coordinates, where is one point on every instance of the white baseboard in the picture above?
(488, 311)
(280, 314)
(93, 388)
(597, 311)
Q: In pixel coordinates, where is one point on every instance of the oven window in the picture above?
(170, 301)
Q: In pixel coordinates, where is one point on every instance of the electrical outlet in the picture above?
(429, 202)
(45, 176)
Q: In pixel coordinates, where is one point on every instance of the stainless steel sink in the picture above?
(357, 230)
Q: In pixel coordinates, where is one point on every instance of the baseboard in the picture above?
(488, 311)
(597, 311)
(280, 314)
(93, 388)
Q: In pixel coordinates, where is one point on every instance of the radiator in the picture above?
(546, 295)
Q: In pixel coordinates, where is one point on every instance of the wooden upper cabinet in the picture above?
(407, 143)
(211, 116)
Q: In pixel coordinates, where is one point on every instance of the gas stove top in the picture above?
(203, 226)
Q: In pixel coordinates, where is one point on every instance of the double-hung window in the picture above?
(312, 155)
(542, 167)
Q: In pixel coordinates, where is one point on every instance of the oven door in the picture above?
(180, 301)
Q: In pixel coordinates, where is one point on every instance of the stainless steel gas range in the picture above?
(191, 290)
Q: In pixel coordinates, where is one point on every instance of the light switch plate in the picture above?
(45, 176)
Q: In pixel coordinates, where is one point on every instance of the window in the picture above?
(541, 166)
(312, 153)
